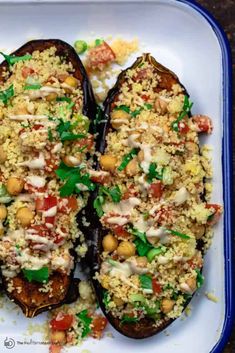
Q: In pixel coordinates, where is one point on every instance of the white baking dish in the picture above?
(182, 37)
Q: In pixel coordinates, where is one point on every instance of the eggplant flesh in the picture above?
(64, 287)
(144, 327)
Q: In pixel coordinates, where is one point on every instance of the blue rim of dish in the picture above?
(227, 173)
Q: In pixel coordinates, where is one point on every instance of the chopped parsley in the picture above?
(12, 59)
(86, 321)
(114, 194)
(50, 136)
(146, 281)
(129, 320)
(127, 158)
(40, 276)
(64, 129)
(186, 110)
(200, 278)
(178, 234)
(7, 94)
(153, 173)
(72, 177)
(134, 113)
(106, 299)
(33, 86)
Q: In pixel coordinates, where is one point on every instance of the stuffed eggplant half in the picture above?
(153, 204)
(46, 106)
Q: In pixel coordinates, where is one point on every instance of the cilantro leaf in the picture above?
(41, 275)
(127, 158)
(113, 193)
(12, 59)
(200, 278)
(153, 173)
(106, 299)
(178, 234)
(124, 108)
(31, 87)
(186, 110)
(64, 130)
(70, 136)
(138, 234)
(129, 320)
(141, 247)
(50, 136)
(97, 204)
(146, 281)
(86, 321)
(7, 94)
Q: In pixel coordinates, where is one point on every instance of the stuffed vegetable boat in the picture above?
(153, 201)
(46, 106)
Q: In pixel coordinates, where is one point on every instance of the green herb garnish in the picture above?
(86, 322)
(134, 113)
(73, 176)
(138, 234)
(186, 110)
(12, 59)
(99, 117)
(98, 42)
(154, 252)
(124, 108)
(128, 320)
(200, 278)
(80, 46)
(97, 204)
(113, 193)
(127, 158)
(64, 99)
(32, 87)
(50, 136)
(40, 276)
(106, 299)
(7, 94)
(146, 281)
(178, 234)
(153, 173)
(64, 129)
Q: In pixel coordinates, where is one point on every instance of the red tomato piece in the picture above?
(32, 189)
(98, 325)
(37, 127)
(203, 123)
(40, 230)
(183, 127)
(54, 348)
(62, 322)
(67, 204)
(27, 71)
(52, 164)
(100, 55)
(145, 97)
(156, 286)
(217, 209)
(45, 203)
(100, 177)
(130, 193)
(121, 232)
(156, 189)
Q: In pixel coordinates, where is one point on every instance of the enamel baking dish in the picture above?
(184, 38)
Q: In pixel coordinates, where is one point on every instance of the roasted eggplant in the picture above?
(49, 93)
(152, 226)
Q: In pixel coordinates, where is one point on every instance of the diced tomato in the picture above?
(88, 142)
(67, 204)
(54, 348)
(156, 286)
(62, 322)
(49, 221)
(214, 218)
(100, 55)
(98, 325)
(203, 123)
(45, 203)
(37, 127)
(156, 189)
(32, 189)
(164, 215)
(121, 232)
(40, 230)
(183, 127)
(27, 71)
(145, 97)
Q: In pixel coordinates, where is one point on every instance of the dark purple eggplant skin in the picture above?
(144, 328)
(30, 300)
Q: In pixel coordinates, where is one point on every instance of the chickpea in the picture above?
(126, 249)
(71, 81)
(192, 148)
(51, 97)
(3, 212)
(160, 106)
(192, 283)
(198, 230)
(71, 161)
(118, 118)
(167, 305)
(118, 301)
(14, 185)
(132, 167)
(140, 156)
(141, 261)
(58, 337)
(109, 243)
(3, 155)
(108, 162)
(25, 216)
